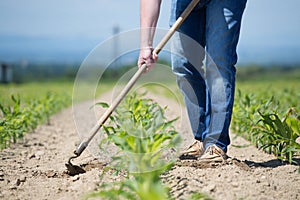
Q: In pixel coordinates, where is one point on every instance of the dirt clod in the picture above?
(51, 174)
(75, 178)
(1, 176)
(12, 187)
(210, 188)
(22, 179)
(235, 184)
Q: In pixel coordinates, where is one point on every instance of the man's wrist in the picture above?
(146, 47)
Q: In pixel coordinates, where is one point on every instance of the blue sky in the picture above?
(268, 26)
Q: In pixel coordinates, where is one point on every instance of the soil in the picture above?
(34, 168)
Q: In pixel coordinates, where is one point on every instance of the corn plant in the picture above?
(246, 113)
(144, 138)
(278, 136)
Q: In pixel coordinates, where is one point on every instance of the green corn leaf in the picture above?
(3, 110)
(102, 104)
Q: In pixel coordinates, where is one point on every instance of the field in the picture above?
(33, 166)
(25, 106)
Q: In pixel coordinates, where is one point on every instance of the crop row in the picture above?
(271, 124)
(22, 117)
(146, 141)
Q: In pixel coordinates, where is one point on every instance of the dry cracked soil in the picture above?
(34, 167)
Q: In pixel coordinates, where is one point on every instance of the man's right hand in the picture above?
(148, 57)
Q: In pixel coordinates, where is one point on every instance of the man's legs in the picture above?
(187, 62)
(223, 20)
(209, 101)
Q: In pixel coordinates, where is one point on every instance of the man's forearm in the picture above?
(149, 13)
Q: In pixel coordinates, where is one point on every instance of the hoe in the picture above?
(74, 169)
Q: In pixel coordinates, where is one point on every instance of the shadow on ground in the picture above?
(270, 163)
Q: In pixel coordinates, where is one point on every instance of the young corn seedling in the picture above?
(144, 138)
(278, 136)
(246, 114)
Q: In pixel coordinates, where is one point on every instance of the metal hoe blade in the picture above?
(74, 169)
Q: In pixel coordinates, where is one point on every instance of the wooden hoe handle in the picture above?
(81, 147)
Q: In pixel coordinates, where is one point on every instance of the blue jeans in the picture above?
(203, 59)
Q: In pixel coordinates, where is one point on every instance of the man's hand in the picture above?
(148, 57)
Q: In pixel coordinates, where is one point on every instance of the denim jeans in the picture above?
(203, 59)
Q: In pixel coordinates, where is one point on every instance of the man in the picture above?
(210, 34)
